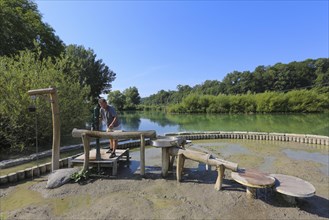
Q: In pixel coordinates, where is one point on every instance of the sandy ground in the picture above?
(129, 196)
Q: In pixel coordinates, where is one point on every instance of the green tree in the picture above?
(322, 72)
(208, 87)
(132, 98)
(89, 70)
(21, 25)
(117, 99)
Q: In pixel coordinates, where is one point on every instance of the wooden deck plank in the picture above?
(104, 156)
(105, 160)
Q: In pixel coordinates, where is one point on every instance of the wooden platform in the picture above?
(293, 186)
(253, 179)
(105, 160)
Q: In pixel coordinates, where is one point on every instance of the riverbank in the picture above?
(129, 196)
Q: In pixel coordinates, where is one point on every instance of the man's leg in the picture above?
(110, 147)
(114, 144)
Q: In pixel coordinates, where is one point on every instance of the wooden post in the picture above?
(179, 166)
(86, 147)
(56, 122)
(172, 161)
(251, 192)
(142, 156)
(56, 130)
(220, 177)
(165, 161)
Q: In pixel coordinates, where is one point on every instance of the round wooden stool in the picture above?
(292, 187)
(253, 179)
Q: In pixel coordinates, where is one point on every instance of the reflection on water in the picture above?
(268, 163)
(283, 123)
(315, 157)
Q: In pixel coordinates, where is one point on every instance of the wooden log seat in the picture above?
(253, 179)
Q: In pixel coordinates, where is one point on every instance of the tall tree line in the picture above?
(308, 74)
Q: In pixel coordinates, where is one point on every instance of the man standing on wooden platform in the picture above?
(109, 122)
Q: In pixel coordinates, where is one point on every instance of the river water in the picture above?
(317, 124)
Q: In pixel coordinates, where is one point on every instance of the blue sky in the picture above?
(155, 45)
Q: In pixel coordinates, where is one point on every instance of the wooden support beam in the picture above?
(165, 161)
(42, 91)
(114, 135)
(172, 161)
(251, 192)
(203, 158)
(142, 156)
(179, 166)
(86, 148)
(220, 177)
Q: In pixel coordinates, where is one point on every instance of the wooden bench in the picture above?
(105, 161)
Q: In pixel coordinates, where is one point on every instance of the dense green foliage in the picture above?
(293, 87)
(21, 26)
(314, 100)
(33, 57)
(25, 72)
(22, 29)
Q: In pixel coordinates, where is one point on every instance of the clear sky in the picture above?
(155, 45)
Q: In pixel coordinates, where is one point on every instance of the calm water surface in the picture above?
(162, 123)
